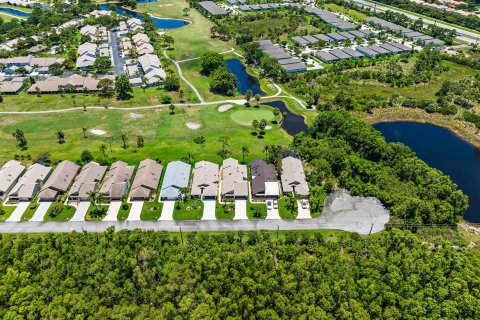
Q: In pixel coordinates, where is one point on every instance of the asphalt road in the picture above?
(342, 212)
(117, 58)
(439, 23)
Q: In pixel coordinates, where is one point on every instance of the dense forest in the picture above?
(147, 275)
(344, 151)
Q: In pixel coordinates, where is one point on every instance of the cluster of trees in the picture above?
(271, 24)
(254, 275)
(470, 21)
(343, 151)
(222, 81)
(464, 93)
(270, 66)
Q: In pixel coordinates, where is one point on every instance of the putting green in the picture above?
(246, 116)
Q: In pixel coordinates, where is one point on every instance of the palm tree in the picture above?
(244, 153)
(266, 149)
(248, 96)
(276, 112)
(103, 149)
(257, 98)
(255, 125)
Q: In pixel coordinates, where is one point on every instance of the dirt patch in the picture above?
(97, 132)
(193, 125)
(7, 121)
(225, 107)
(135, 115)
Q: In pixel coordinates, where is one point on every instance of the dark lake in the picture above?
(160, 23)
(445, 151)
(244, 80)
(292, 123)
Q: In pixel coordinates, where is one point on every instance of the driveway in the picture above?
(135, 211)
(272, 214)
(167, 211)
(241, 210)
(41, 211)
(303, 213)
(18, 212)
(113, 211)
(82, 209)
(209, 209)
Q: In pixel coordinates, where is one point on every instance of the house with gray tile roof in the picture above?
(234, 179)
(9, 175)
(30, 183)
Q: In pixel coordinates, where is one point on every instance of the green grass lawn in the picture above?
(225, 211)
(6, 17)
(284, 211)
(30, 211)
(66, 213)
(349, 12)
(192, 40)
(166, 136)
(246, 116)
(189, 210)
(30, 102)
(124, 211)
(6, 212)
(256, 210)
(5, 5)
(151, 210)
(92, 215)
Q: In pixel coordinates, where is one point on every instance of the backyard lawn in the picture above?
(167, 137)
(189, 210)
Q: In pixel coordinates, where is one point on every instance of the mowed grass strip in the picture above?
(167, 136)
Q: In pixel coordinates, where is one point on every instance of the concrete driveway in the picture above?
(167, 211)
(272, 214)
(113, 211)
(135, 211)
(303, 213)
(18, 212)
(241, 210)
(41, 211)
(209, 209)
(82, 209)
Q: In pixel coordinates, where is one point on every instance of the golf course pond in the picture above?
(160, 23)
(244, 80)
(443, 150)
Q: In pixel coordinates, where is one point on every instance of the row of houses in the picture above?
(371, 51)
(29, 63)
(26, 3)
(331, 18)
(285, 60)
(72, 83)
(211, 8)
(332, 37)
(96, 47)
(407, 33)
(19, 184)
(146, 69)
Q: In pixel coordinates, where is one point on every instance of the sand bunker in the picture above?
(225, 107)
(97, 132)
(268, 127)
(193, 125)
(135, 115)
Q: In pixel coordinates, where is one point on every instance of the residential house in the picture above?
(234, 179)
(264, 180)
(176, 178)
(117, 181)
(205, 180)
(293, 177)
(9, 175)
(59, 182)
(30, 183)
(147, 179)
(88, 180)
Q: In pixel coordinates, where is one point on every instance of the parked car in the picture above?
(275, 204)
(304, 204)
(269, 204)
